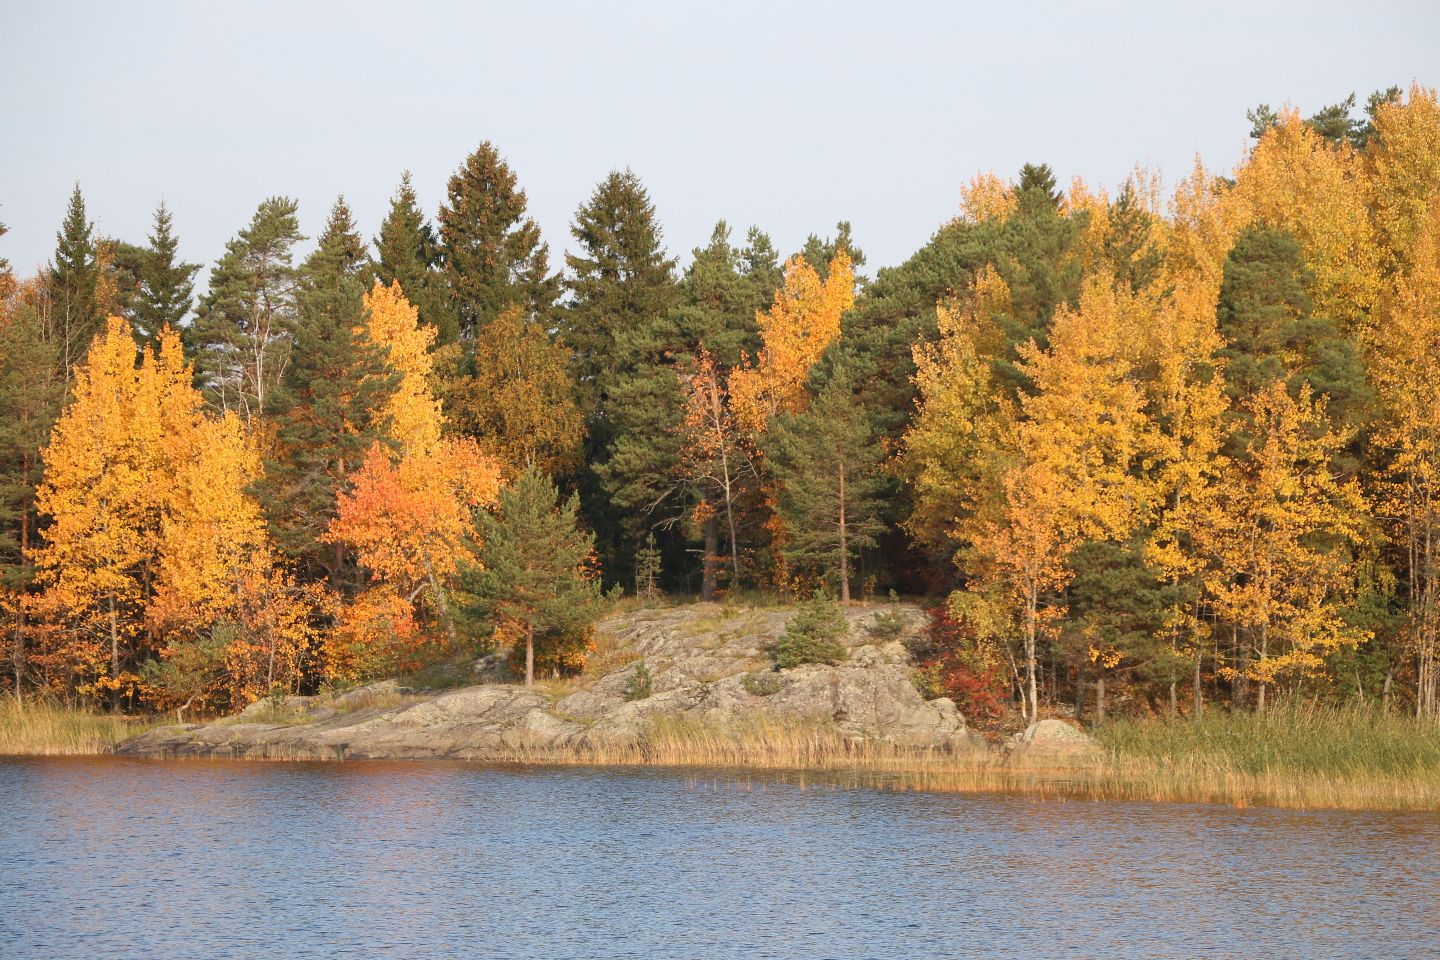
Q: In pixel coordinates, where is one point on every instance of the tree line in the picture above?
(1156, 453)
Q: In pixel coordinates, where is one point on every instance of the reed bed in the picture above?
(42, 728)
(1389, 764)
(1294, 757)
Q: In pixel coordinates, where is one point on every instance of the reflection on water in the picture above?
(106, 857)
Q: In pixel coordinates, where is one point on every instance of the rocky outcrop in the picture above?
(706, 662)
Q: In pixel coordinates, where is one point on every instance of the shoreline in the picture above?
(815, 751)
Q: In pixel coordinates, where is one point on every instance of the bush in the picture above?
(952, 661)
(812, 637)
(639, 686)
(760, 684)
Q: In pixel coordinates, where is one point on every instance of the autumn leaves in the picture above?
(158, 544)
(1227, 447)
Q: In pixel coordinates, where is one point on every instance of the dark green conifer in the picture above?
(490, 250)
(407, 252)
(166, 284)
(328, 402)
(818, 251)
(1129, 243)
(533, 572)
(71, 282)
(717, 299)
(828, 465)
(814, 634)
(1264, 312)
(621, 285)
(1036, 188)
(31, 393)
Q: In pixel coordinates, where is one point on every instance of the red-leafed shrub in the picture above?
(955, 663)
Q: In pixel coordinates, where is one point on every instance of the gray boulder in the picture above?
(1052, 741)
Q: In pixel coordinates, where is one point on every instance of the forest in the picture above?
(1154, 448)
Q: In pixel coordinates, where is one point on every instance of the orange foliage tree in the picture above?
(802, 322)
(717, 455)
(408, 512)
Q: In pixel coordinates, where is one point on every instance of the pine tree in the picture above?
(827, 463)
(244, 324)
(819, 251)
(72, 283)
(490, 250)
(1266, 316)
(166, 284)
(533, 570)
(407, 253)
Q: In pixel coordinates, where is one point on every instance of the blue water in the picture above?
(106, 857)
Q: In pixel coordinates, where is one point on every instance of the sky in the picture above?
(789, 116)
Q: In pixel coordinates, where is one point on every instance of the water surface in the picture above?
(117, 858)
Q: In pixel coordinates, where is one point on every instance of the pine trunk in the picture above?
(529, 656)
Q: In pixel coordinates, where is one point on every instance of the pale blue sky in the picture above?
(787, 115)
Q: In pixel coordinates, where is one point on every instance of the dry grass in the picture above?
(1294, 759)
(38, 728)
(761, 743)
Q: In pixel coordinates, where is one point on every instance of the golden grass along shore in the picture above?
(42, 728)
(1292, 758)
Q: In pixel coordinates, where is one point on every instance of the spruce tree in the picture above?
(407, 252)
(490, 250)
(813, 635)
(647, 569)
(244, 324)
(533, 570)
(71, 286)
(166, 285)
(828, 465)
(329, 401)
(621, 285)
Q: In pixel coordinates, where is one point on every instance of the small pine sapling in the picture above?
(814, 635)
(639, 686)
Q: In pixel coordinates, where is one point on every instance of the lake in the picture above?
(107, 857)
